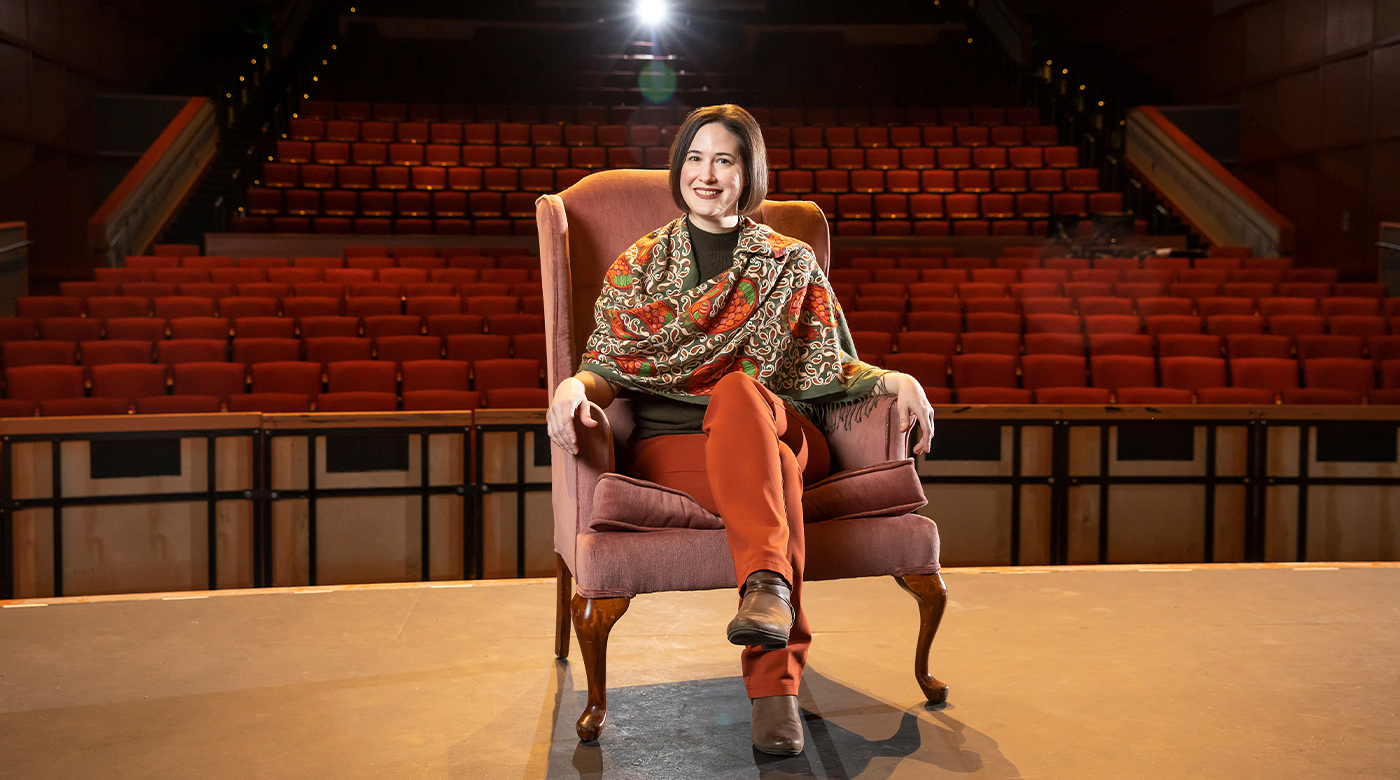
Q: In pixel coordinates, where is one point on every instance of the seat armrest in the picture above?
(865, 433)
(578, 475)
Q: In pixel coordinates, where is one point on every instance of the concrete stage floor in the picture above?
(1287, 671)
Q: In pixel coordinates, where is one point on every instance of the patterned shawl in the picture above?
(772, 315)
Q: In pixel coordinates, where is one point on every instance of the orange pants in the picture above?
(749, 468)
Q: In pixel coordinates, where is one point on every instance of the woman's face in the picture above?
(712, 179)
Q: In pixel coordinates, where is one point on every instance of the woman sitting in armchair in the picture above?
(727, 338)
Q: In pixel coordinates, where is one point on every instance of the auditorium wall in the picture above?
(1318, 84)
(55, 56)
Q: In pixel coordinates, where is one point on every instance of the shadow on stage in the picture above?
(700, 729)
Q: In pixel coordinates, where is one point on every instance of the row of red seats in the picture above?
(1174, 298)
(307, 130)
(850, 206)
(878, 328)
(1202, 282)
(319, 177)
(451, 155)
(877, 347)
(1144, 298)
(928, 270)
(264, 300)
(255, 282)
(383, 226)
(852, 116)
(321, 342)
(1030, 256)
(188, 255)
(274, 386)
(502, 268)
(59, 337)
(1232, 345)
(1134, 379)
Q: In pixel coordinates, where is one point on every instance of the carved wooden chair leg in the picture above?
(593, 619)
(564, 587)
(932, 595)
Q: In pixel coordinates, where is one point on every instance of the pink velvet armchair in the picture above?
(582, 230)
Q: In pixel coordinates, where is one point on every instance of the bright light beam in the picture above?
(651, 12)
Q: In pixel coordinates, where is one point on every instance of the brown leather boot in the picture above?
(776, 726)
(765, 616)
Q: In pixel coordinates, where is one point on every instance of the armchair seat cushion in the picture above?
(623, 503)
(882, 490)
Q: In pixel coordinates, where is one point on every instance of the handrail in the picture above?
(150, 194)
(14, 265)
(1220, 206)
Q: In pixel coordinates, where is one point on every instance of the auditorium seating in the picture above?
(187, 346)
(385, 329)
(1005, 175)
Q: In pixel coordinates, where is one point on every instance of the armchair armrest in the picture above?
(866, 433)
(575, 478)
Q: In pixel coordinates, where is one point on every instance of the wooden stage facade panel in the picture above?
(317, 499)
(1080, 485)
(163, 543)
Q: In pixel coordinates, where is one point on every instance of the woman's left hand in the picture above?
(913, 408)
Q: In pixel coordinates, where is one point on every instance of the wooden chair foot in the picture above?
(593, 620)
(564, 589)
(932, 595)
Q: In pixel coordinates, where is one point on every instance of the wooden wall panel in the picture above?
(1263, 40)
(13, 18)
(1300, 111)
(1312, 77)
(1381, 157)
(1349, 24)
(1346, 99)
(1385, 93)
(1225, 53)
(1304, 26)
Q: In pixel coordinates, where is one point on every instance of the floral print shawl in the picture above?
(772, 315)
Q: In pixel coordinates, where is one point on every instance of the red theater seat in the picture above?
(983, 370)
(39, 382)
(70, 329)
(191, 351)
(128, 381)
(1046, 371)
(1114, 371)
(1192, 373)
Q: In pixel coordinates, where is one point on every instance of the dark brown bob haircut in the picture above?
(755, 155)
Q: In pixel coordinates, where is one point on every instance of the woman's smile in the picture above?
(712, 179)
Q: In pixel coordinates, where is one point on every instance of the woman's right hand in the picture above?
(570, 397)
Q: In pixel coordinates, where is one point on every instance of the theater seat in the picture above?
(1151, 396)
(361, 376)
(357, 401)
(217, 379)
(1072, 395)
(38, 382)
(179, 404)
(83, 407)
(440, 400)
(270, 403)
(994, 395)
(1236, 395)
(516, 398)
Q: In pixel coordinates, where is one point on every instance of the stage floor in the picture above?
(1282, 671)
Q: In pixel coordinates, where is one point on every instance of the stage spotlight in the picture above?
(651, 12)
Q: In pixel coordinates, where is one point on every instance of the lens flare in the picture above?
(657, 82)
(651, 12)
